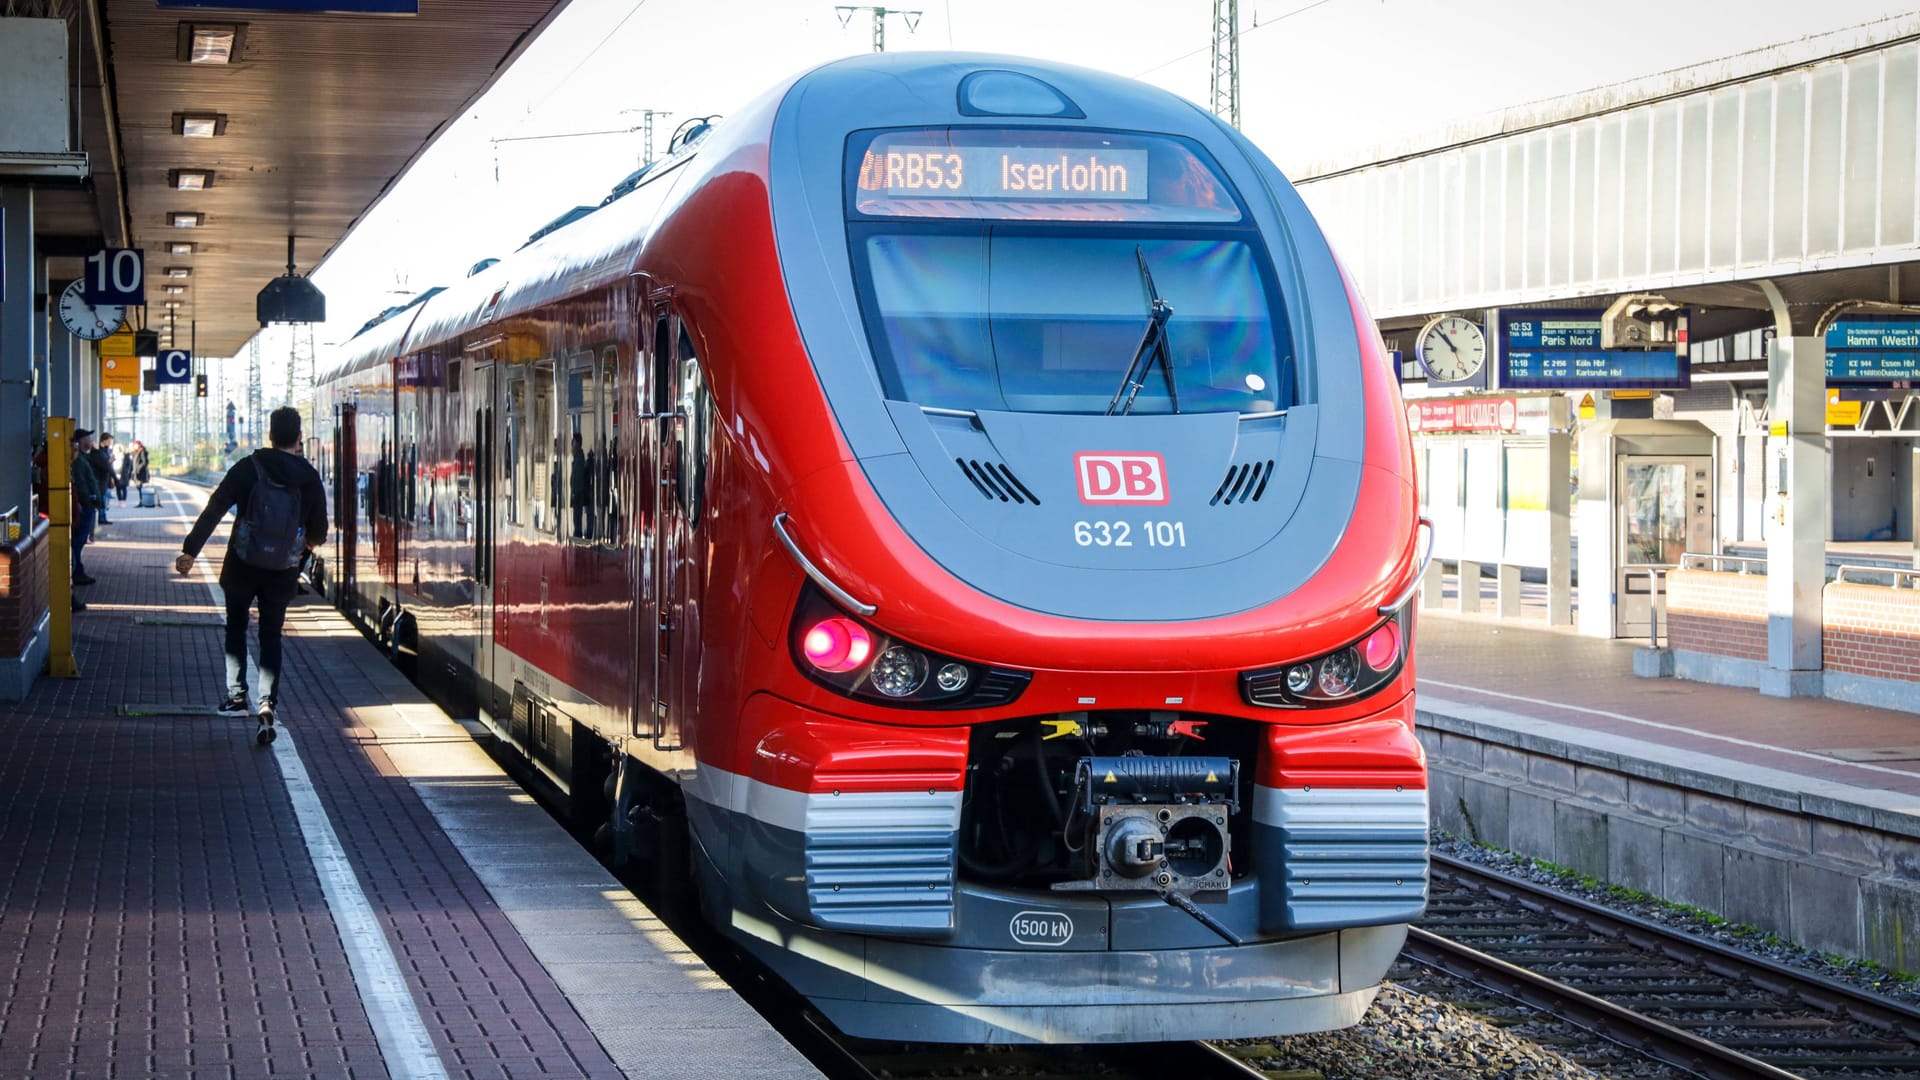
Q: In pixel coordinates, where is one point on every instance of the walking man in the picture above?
(283, 513)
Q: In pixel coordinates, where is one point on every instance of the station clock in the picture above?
(90, 322)
(1451, 348)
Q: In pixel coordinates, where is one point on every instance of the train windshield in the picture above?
(988, 299)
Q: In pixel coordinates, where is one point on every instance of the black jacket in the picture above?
(237, 485)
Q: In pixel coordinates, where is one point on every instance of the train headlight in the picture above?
(953, 677)
(837, 645)
(850, 657)
(899, 671)
(1337, 674)
(1349, 672)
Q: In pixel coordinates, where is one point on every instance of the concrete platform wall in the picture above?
(1871, 630)
(1826, 874)
(1869, 636)
(1718, 613)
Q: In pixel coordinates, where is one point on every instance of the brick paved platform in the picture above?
(162, 912)
(1797, 815)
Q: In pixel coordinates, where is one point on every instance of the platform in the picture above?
(369, 896)
(1797, 815)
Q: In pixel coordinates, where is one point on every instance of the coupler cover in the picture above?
(1155, 824)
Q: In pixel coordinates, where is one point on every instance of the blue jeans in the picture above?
(82, 532)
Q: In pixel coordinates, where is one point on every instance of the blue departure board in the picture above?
(1874, 348)
(1542, 349)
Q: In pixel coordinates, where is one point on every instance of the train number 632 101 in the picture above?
(1120, 533)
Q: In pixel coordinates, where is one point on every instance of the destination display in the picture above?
(1881, 348)
(1006, 172)
(1034, 174)
(1560, 350)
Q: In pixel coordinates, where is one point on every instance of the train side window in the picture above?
(514, 495)
(695, 406)
(543, 469)
(583, 460)
(449, 483)
(606, 492)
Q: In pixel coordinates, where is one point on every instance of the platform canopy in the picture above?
(311, 109)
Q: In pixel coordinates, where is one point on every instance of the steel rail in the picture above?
(1654, 1038)
(1812, 988)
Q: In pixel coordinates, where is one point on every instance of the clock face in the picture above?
(1451, 349)
(89, 321)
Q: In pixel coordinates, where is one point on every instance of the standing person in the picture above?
(581, 490)
(101, 458)
(123, 472)
(283, 513)
(139, 457)
(88, 498)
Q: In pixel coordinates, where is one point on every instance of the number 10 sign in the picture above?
(115, 276)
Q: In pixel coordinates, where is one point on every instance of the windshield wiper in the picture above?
(1153, 347)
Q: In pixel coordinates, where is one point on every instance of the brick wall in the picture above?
(1871, 630)
(1719, 613)
(23, 590)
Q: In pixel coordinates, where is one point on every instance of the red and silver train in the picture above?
(956, 519)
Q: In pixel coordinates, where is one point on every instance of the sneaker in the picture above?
(76, 606)
(233, 706)
(266, 714)
(84, 579)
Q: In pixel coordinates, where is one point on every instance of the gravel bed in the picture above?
(1411, 1034)
(1745, 938)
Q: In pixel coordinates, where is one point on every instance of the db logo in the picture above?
(1121, 478)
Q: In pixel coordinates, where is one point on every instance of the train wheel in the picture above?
(615, 840)
(404, 647)
(671, 871)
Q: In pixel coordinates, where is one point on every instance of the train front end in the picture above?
(1097, 721)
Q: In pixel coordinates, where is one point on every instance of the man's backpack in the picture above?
(269, 534)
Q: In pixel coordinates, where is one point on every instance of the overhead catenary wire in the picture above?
(1208, 47)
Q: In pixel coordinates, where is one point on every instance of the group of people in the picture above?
(281, 516)
(97, 471)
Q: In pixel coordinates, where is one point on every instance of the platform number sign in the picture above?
(115, 276)
(175, 366)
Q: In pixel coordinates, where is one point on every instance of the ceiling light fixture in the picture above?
(176, 290)
(179, 271)
(199, 125)
(190, 179)
(172, 304)
(180, 219)
(210, 43)
(179, 247)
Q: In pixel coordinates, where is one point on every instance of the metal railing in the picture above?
(1911, 577)
(1654, 572)
(1700, 560)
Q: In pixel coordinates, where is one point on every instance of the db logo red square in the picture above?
(1140, 479)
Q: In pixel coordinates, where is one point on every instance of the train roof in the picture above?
(380, 339)
(591, 247)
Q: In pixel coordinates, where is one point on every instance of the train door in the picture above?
(480, 521)
(346, 498)
(677, 397)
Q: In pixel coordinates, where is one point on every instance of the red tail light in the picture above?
(837, 645)
(1381, 650)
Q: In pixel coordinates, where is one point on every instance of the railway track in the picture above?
(860, 1060)
(1694, 1004)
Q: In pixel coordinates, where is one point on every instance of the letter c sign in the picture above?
(174, 366)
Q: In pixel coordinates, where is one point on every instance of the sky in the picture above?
(1319, 79)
